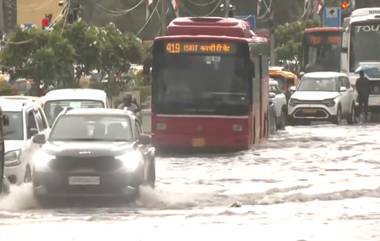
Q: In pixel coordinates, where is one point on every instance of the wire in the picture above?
(149, 18)
(187, 10)
(268, 8)
(117, 13)
(201, 4)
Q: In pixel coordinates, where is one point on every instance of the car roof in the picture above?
(75, 94)
(327, 74)
(97, 111)
(10, 104)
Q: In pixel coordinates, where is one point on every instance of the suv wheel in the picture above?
(28, 175)
(338, 118)
(351, 118)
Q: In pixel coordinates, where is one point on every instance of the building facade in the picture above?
(31, 12)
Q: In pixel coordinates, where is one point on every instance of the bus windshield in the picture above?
(367, 3)
(322, 51)
(200, 83)
(365, 39)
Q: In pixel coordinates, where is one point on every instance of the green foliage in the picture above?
(6, 89)
(59, 57)
(288, 39)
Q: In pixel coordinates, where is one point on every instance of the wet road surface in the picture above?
(306, 183)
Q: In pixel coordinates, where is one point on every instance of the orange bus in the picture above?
(209, 85)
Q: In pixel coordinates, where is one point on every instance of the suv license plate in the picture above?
(198, 142)
(84, 180)
(309, 110)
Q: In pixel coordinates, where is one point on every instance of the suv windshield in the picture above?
(53, 108)
(92, 128)
(318, 84)
(13, 131)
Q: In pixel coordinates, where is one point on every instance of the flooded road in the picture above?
(306, 183)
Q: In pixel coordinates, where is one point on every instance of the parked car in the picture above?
(4, 184)
(278, 98)
(93, 153)
(26, 119)
(56, 100)
(322, 96)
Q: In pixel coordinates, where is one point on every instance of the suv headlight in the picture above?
(41, 160)
(12, 158)
(329, 102)
(294, 102)
(131, 160)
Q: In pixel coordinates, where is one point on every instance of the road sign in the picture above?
(331, 17)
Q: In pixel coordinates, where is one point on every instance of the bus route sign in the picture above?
(175, 47)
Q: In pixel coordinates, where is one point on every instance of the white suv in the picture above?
(322, 96)
(26, 119)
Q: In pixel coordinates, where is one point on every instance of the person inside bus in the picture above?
(363, 89)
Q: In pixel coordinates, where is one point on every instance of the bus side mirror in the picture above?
(5, 120)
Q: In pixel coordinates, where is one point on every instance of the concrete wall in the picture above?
(32, 11)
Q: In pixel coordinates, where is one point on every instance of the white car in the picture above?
(26, 119)
(322, 96)
(56, 100)
(278, 98)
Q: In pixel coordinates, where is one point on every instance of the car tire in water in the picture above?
(351, 118)
(28, 175)
(338, 118)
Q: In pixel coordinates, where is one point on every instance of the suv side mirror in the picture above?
(342, 89)
(39, 139)
(5, 120)
(145, 139)
(292, 89)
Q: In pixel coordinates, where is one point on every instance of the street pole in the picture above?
(226, 8)
(163, 16)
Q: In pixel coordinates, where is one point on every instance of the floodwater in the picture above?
(306, 183)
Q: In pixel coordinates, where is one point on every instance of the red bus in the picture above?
(209, 85)
(321, 49)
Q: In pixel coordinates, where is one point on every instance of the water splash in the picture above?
(19, 198)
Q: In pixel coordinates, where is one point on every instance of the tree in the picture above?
(289, 38)
(118, 51)
(43, 56)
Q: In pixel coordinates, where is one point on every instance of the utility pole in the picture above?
(163, 16)
(226, 8)
(2, 26)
